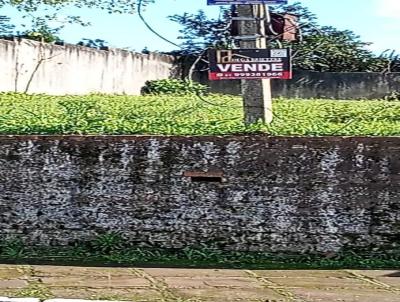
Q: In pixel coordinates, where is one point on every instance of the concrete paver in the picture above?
(231, 295)
(207, 282)
(345, 295)
(6, 299)
(197, 285)
(95, 282)
(7, 272)
(290, 283)
(71, 300)
(54, 271)
(303, 273)
(13, 283)
(145, 295)
(389, 278)
(184, 272)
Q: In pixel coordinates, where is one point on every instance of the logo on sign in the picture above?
(231, 2)
(250, 64)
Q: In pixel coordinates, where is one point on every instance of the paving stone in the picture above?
(16, 283)
(8, 266)
(229, 295)
(95, 282)
(303, 273)
(5, 299)
(107, 294)
(321, 282)
(207, 282)
(391, 278)
(11, 272)
(206, 285)
(171, 272)
(75, 300)
(346, 295)
(43, 271)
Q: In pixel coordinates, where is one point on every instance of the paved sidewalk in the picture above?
(186, 285)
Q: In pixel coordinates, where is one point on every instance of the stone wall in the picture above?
(259, 193)
(57, 70)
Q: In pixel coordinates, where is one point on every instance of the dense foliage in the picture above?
(126, 6)
(189, 115)
(319, 48)
(6, 27)
(114, 249)
(199, 31)
(173, 86)
(41, 13)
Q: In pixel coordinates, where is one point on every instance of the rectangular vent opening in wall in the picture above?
(215, 177)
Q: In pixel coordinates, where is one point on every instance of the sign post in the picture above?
(253, 63)
(231, 2)
(257, 98)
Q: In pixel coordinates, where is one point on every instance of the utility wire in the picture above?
(190, 75)
(140, 5)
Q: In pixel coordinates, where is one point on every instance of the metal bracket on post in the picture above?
(249, 37)
(249, 19)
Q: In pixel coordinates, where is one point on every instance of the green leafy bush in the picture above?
(173, 86)
(108, 243)
(12, 248)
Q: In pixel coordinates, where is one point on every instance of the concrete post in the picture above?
(257, 100)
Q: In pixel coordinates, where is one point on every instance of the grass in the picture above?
(188, 115)
(34, 289)
(105, 252)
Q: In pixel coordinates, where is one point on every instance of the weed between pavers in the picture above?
(113, 249)
(34, 290)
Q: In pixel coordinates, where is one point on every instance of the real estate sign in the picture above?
(250, 64)
(229, 2)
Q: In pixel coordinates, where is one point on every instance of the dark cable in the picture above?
(140, 3)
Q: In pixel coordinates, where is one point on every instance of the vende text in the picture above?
(274, 67)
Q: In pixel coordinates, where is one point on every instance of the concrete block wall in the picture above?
(70, 69)
(57, 70)
(254, 193)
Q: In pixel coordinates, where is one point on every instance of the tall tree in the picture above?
(112, 6)
(6, 28)
(319, 48)
(199, 32)
(40, 12)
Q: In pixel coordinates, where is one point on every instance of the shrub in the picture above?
(393, 96)
(108, 243)
(173, 86)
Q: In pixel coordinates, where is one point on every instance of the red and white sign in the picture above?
(250, 64)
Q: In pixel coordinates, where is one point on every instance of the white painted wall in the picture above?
(72, 69)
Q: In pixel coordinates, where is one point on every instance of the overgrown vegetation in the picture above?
(34, 289)
(46, 20)
(173, 86)
(190, 115)
(113, 249)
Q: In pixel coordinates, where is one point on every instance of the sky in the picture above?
(376, 21)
